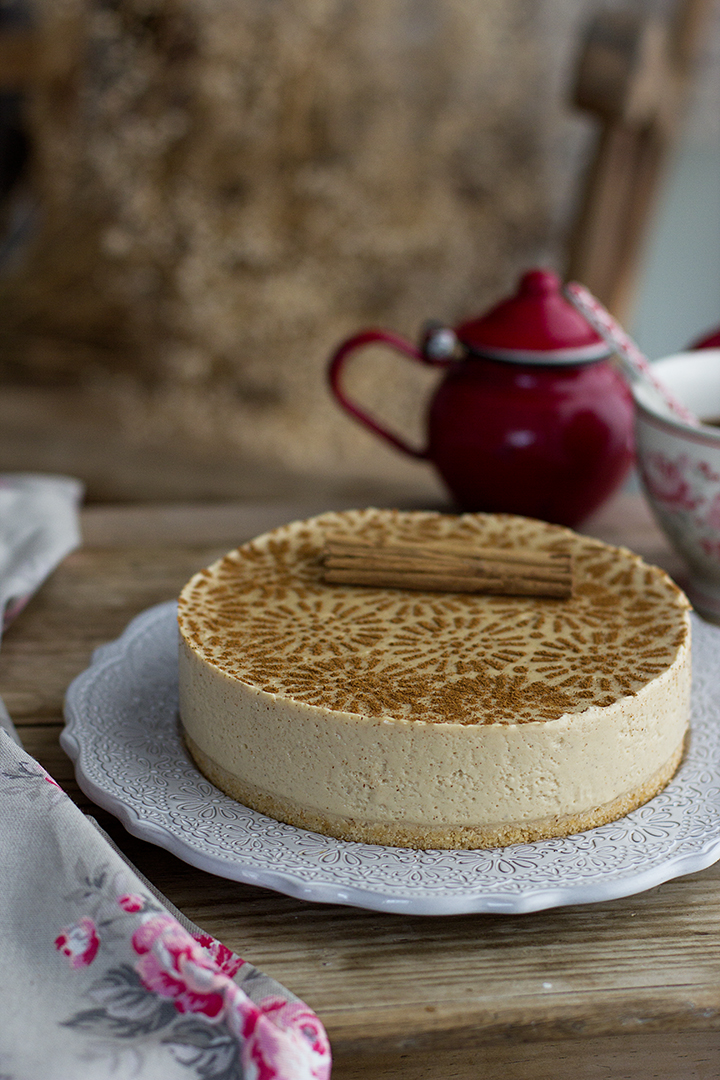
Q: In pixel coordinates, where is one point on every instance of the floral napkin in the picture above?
(102, 977)
(38, 527)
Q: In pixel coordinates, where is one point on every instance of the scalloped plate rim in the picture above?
(237, 868)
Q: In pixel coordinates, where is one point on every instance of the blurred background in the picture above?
(200, 198)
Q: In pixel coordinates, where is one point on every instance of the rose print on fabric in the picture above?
(31, 781)
(223, 957)
(143, 985)
(172, 964)
(131, 902)
(179, 987)
(271, 1045)
(79, 943)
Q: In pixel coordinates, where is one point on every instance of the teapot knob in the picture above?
(439, 342)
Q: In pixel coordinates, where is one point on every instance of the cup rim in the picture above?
(705, 434)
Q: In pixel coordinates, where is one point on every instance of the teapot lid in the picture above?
(536, 325)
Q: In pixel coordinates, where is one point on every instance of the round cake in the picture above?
(433, 719)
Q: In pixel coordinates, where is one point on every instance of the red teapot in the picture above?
(532, 416)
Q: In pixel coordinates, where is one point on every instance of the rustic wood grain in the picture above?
(630, 1057)
(629, 988)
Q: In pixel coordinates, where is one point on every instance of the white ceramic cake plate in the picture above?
(122, 733)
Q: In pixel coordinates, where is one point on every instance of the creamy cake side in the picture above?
(429, 719)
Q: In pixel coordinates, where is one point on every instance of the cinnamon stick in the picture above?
(446, 566)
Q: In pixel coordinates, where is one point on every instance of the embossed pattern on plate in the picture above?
(122, 733)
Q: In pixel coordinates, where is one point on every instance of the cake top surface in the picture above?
(263, 615)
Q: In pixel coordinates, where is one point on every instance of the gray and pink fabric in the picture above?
(102, 977)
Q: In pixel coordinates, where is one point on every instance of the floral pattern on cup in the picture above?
(686, 495)
(670, 482)
(679, 464)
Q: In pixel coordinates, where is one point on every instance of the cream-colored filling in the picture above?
(381, 769)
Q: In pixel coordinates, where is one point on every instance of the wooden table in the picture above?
(628, 988)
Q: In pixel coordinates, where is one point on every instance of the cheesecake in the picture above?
(427, 718)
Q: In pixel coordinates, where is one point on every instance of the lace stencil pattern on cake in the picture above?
(263, 615)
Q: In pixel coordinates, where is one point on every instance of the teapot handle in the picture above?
(394, 341)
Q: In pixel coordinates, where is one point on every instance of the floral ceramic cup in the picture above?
(679, 467)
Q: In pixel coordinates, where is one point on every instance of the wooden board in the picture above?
(629, 988)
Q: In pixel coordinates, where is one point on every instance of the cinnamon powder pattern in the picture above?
(264, 616)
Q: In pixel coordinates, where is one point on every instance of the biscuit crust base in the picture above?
(422, 837)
